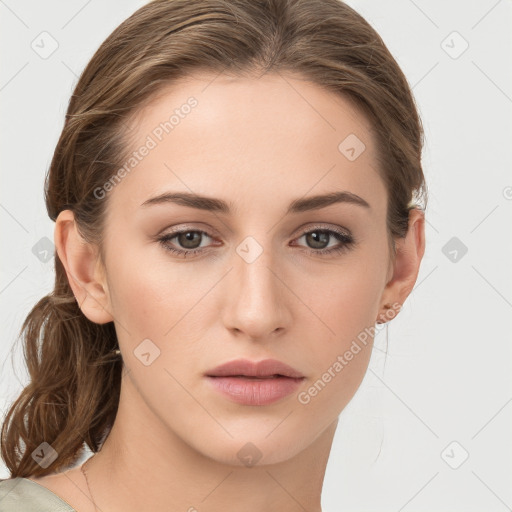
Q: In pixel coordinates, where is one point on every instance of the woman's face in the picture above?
(258, 281)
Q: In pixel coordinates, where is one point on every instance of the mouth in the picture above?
(255, 383)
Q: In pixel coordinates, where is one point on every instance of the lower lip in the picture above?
(248, 391)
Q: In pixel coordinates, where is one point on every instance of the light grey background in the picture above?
(445, 391)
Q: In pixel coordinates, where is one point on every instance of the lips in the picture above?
(254, 383)
(265, 369)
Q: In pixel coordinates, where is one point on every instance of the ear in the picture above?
(405, 267)
(84, 270)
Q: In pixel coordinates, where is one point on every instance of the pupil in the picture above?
(188, 238)
(319, 237)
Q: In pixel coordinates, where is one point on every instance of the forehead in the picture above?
(250, 141)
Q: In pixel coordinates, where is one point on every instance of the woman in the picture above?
(236, 203)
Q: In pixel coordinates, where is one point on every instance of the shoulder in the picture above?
(23, 495)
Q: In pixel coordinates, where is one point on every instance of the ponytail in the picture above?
(74, 386)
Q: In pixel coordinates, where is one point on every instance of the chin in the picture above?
(254, 447)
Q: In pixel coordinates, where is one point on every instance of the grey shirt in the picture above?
(23, 495)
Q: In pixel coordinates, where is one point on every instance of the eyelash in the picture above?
(346, 240)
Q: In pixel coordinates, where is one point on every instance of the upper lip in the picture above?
(248, 368)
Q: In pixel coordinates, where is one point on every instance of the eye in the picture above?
(319, 238)
(189, 239)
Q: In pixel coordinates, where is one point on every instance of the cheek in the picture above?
(148, 296)
(164, 301)
(348, 322)
(342, 331)
(347, 299)
(339, 354)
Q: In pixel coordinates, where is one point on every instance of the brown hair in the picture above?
(74, 387)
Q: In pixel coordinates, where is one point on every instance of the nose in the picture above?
(257, 299)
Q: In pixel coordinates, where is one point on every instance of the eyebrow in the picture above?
(218, 205)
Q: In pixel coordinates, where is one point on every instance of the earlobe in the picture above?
(84, 272)
(409, 253)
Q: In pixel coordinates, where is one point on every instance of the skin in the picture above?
(259, 143)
